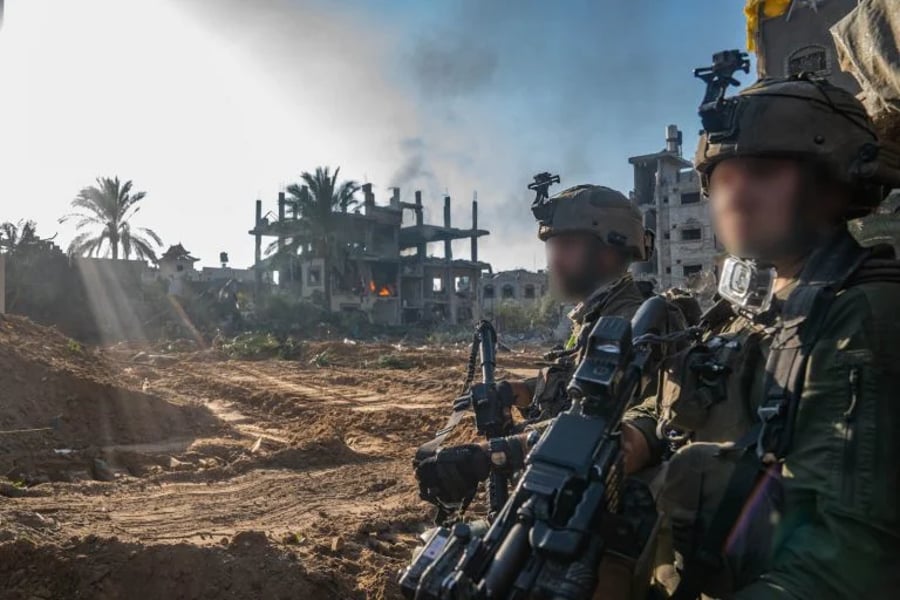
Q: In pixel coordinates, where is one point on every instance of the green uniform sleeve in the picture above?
(839, 534)
(644, 417)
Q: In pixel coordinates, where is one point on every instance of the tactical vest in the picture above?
(708, 390)
(834, 266)
(550, 396)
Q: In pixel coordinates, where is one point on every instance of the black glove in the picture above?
(452, 475)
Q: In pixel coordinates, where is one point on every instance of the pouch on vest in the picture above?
(706, 374)
(550, 396)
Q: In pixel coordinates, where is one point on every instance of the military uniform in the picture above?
(451, 473)
(613, 219)
(836, 494)
(620, 298)
(785, 480)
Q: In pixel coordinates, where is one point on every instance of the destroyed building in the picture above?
(373, 263)
(519, 286)
(667, 190)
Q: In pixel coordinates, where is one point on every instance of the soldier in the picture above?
(592, 235)
(786, 483)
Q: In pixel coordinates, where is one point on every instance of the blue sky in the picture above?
(209, 104)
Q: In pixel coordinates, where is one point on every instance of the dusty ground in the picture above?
(187, 475)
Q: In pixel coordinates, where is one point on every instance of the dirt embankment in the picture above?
(192, 476)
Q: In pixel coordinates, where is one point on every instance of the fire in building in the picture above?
(373, 263)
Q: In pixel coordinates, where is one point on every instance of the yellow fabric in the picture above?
(770, 9)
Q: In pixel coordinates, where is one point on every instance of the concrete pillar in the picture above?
(420, 220)
(475, 228)
(368, 196)
(448, 246)
(257, 254)
(281, 205)
(448, 257)
(395, 198)
(420, 217)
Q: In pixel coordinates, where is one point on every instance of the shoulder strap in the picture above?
(826, 272)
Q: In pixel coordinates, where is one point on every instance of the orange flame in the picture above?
(384, 291)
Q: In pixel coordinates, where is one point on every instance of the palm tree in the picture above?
(316, 200)
(323, 196)
(15, 236)
(109, 205)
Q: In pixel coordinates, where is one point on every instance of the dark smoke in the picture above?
(452, 68)
(494, 92)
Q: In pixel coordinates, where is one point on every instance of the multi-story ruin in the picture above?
(519, 286)
(372, 263)
(667, 190)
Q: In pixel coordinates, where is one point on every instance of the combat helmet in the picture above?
(802, 118)
(597, 210)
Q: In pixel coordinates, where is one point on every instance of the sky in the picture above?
(208, 105)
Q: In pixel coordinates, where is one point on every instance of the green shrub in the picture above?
(260, 345)
(395, 361)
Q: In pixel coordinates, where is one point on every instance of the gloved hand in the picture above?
(452, 474)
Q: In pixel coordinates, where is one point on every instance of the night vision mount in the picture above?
(542, 208)
(716, 112)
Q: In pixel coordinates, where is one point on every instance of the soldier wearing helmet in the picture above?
(592, 234)
(783, 419)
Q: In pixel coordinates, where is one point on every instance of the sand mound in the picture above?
(59, 401)
(245, 567)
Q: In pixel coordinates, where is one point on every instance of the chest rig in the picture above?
(705, 389)
(836, 265)
(828, 270)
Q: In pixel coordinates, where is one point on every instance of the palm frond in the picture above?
(108, 205)
(152, 234)
(143, 250)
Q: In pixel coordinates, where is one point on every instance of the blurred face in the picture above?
(755, 205)
(579, 264)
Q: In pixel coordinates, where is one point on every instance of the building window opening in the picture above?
(437, 285)
(692, 234)
(488, 291)
(462, 283)
(314, 276)
(529, 291)
(690, 198)
(692, 270)
(508, 292)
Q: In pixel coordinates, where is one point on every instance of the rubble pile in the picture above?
(62, 406)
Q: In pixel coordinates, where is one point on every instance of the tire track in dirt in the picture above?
(325, 501)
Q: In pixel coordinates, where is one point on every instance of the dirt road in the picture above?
(192, 476)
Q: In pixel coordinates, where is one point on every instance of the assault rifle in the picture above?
(492, 420)
(572, 505)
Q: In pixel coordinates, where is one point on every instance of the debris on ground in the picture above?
(208, 476)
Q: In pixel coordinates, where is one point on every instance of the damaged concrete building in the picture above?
(518, 286)
(375, 264)
(667, 190)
